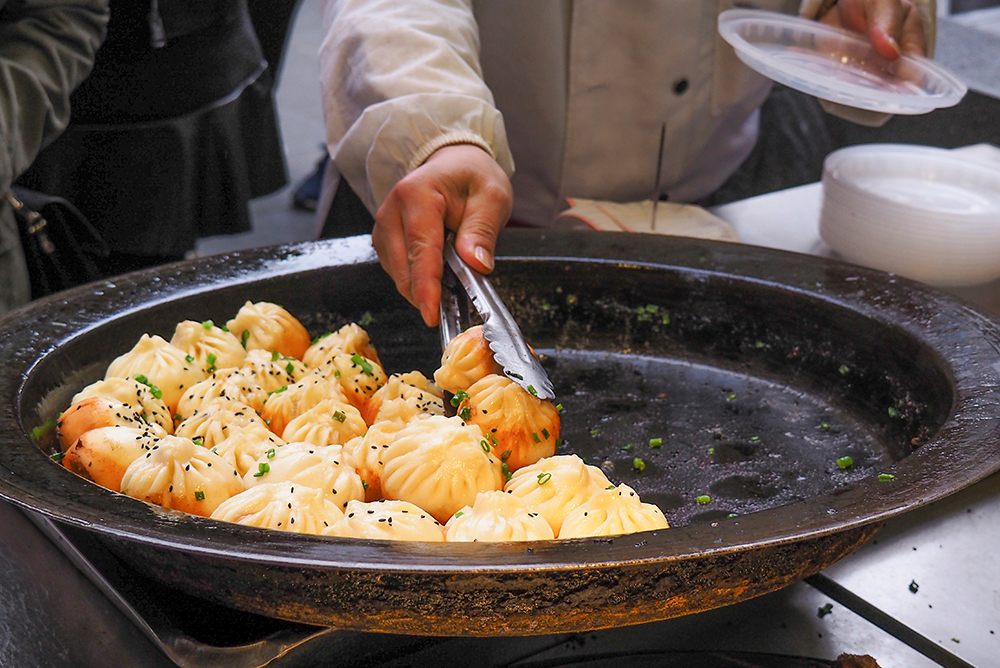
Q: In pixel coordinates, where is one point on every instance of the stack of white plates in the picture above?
(921, 212)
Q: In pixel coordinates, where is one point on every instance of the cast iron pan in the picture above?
(758, 369)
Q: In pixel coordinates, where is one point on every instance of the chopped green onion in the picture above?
(824, 426)
(595, 432)
(506, 472)
(544, 478)
(244, 337)
(338, 416)
(886, 477)
(44, 428)
(199, 495)
(731, 515)
(843, 370)
(275, 356)
(207, 324)
(532, 391)
(188, 359)
(365, 485)
(655, 442)
(485, 446)
(363, 363)
(198, 440)
(506, 455)
(628, 447)
(465, 413)
(290, 369)
(366, 319)
(892, 411)
(57, 456)
(759, 344)
(270, 453)
(703, 500)
(731, 397)
(534, 437)
(279, 390)
(545, 433)
(212, 358)
(141, 378)
(459, 397)
(638, 464)
(559, 408)
(262, 468)
(845, 462)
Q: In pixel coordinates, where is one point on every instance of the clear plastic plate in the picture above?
(837, 65)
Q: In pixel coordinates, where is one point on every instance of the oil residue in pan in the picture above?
(702, 442)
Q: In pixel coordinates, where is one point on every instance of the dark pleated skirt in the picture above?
(169, 145)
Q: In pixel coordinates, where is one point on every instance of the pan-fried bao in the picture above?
(251, 423)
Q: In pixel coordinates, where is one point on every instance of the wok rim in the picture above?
(932, 468)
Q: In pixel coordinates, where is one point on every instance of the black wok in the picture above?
(759, 370)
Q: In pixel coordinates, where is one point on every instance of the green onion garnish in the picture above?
(244, 337)
(199, 495)
(544, 478)
(638, 464)
(275, 356)
(703, 500)
(886, 477)
(465, 414)
(655, 442)
(845, 462)
(262, 468)
(459, 397)
(207, 324)
(534, 437)
(338, 416)
(363, 363)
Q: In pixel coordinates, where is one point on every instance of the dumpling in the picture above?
(330, 422)
(284, 404)
(393, 520)
(267, 326)
(211, 346)
(439, 464)
(103, 454)
(556, 485)
(286, 506)
(162, 364)
(176, 473)
(225, 385)
(350, 339)
(243, 447)
(404, 397)
(359, 377)
(217, 421)
(366, 451)
(497, 516)
(466, 359)
(271, 370)
(145, 399)
(99, 411)
(524, 426)
(611, 512)
(324, 467)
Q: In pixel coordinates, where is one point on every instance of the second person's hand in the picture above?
(894, 27)
(461, 188)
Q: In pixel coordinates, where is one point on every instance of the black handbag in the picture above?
(61, 247)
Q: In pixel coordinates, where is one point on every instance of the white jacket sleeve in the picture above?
(400, 80)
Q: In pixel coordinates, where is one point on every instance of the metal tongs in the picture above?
(499, 327)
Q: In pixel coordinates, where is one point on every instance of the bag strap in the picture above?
(27, 205)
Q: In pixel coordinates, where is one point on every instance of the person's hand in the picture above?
(460, 187)
(893, 26)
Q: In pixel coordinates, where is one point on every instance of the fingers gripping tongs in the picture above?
(506, 341)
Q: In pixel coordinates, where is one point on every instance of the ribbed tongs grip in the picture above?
(499, 327)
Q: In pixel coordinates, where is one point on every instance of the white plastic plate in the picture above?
(837, 65)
